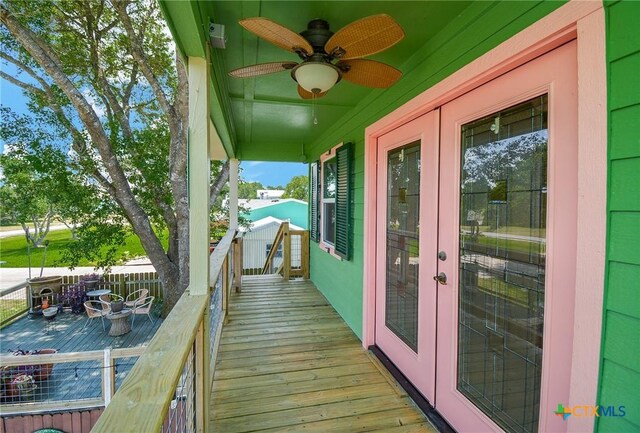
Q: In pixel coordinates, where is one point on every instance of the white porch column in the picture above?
(234, 166)
(198, 172)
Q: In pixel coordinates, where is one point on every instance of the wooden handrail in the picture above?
(56, 358)
(274, 247)
(143, 399)
(108, 377)
(15, 288)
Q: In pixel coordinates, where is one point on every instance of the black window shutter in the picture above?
(343, 201)
(314, 190)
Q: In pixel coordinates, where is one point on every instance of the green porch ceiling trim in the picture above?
(475, 31)
(188, 22)
(619, 380)
(185, 23)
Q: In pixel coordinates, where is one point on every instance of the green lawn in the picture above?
(13, 250)
(10, 307)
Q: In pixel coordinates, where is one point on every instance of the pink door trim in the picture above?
(415, 366)
(584, 21)
(554, 74)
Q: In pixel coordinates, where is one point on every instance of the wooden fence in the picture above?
(14, 301)
(80, 421)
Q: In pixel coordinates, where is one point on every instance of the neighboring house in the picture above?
(290, 209)
(477, 223)
(266, 194)
(258, 240)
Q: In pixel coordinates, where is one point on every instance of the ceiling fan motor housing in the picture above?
(317, 34)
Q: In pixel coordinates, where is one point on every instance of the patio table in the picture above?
(98, 293)
(119, 322)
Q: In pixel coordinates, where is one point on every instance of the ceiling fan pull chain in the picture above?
(313, 108)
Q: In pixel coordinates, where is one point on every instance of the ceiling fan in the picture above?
(328, 57)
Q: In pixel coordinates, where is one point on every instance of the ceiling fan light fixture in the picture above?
(316, 77)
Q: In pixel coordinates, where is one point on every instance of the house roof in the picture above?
(254, 203)
(267, 221)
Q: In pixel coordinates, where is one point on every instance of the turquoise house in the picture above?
(296, 211)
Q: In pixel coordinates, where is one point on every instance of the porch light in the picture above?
(316, 77)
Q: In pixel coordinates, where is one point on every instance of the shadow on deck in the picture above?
(287, 362)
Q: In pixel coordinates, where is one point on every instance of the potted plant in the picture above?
(23, 384)
(38, 371)
(74, 297)
(91, 281)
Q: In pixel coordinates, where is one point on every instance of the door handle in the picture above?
(441, 278)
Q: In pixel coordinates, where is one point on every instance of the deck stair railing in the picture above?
(295, 260)
(63, 381)
(167, 390)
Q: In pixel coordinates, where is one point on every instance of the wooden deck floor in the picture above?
(66, 334)
(288, 363)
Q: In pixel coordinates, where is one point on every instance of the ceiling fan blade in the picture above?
(366, 36)
(276, 34)
(369, 73)
(305, 94)
(262, 69)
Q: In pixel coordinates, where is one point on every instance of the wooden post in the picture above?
(201, 372)
(237, 264)
(225, 284)
(304, 254)
(198, 174)
(234, 164)
(287, 250)
(108, 377)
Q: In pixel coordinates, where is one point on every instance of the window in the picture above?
(278, 251)
(328, 211)
(331, 201)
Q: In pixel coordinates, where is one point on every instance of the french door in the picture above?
(475, 248)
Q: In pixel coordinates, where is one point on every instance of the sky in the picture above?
(272, 173)
(267, 173)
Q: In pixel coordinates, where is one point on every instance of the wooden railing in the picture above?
(295, 262)
(174, 376)
(63, 381)
(14, 302)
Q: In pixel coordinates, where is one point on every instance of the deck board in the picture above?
(288, 363)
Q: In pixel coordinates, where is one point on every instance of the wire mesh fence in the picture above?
(181, 417)
(46, 380)
(13, 302)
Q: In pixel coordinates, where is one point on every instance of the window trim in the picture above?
(325, 246)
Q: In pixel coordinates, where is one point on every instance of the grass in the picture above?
(504, 290)
(11, 307)
(503, 244)
(13, 250)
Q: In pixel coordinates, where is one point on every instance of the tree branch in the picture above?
(49, 62)
(26, 86)
(138, 54)
(219, 183)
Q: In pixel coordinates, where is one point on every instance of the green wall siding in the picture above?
(478, 29)
(294, 211)
(620, 364)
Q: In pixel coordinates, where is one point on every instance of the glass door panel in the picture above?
(403, 217)
(503, 189)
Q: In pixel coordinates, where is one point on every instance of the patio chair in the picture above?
(96, 309)
(142, 306)
(134, 297)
